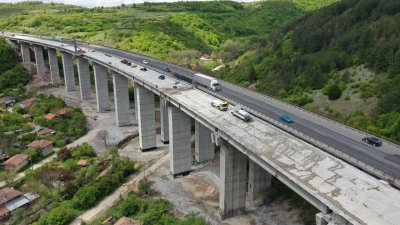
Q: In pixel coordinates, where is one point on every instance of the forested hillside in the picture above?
(349, 52)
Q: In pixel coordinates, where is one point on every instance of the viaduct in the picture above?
(250, 153)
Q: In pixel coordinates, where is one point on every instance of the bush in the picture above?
(83, 151)
(64, 154)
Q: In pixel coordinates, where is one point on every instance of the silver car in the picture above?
(242, 114)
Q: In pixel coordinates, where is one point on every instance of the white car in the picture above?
(145, 61)
(242, 114)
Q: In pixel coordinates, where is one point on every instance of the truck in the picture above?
(221, 105)
(58, 38)
(206, 81)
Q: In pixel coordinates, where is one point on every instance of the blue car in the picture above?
(286, 118)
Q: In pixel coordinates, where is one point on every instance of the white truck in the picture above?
(206, 81)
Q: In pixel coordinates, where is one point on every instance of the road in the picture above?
(339, 137)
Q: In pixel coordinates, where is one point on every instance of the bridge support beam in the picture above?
(179, 139)
(121, 99)
(204, 148)
(68, 67)
(54, 70)
(164, 122)
(102, 97)
(84, 78)
(41, 69)
(26, 56)
(233, 178)
(259, 181)
(146, 118)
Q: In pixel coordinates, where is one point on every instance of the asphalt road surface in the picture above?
(350, 144)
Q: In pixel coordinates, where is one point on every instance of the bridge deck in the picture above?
(346, 190)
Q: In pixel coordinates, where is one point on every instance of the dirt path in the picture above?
(130, 185)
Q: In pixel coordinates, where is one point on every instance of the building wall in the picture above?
(47, 151)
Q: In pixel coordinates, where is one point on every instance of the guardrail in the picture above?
(369, 166)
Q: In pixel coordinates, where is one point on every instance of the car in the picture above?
(161, 77)
(241, 114)
(374, 141)
(143, 69)
(106, 54)
(124, 61)
(221, 105)
(286, 118)
(167, 70)
(92, 50)
(133, 65)
(129, 63)
(145, 61)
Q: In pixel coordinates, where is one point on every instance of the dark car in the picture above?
(167, 70)
(286, 118)
(143, 69)
(161, 77)
(372, 141)
(124, 61)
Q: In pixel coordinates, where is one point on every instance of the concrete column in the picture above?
(179, 141)
(41, 69)
(233, 177)
(54, 70)
(84, 78)
(68, 67)
(259, 181)
(164, 122)
(26, 56)
(121, 99)
(135, 99)
(204, 148)
(146, 118)
(102, 97)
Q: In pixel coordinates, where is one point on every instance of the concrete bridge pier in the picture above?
(259, 181)
(233, 178)
(68, 67)
(84, 78)
(41, 69)
(179, 141)
(146, 118)
(102, 97)
(121, 99)
(54, 69)
(164, 121)
(204, 148)
(26, 56)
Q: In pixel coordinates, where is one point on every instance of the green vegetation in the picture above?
(150, 209)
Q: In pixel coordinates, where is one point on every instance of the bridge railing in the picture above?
(367, 166)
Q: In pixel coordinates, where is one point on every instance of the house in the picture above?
(11, 199)
(16, 162)
(83, 163)
(45, 132)
(53, 117)
(27, 103)
(127, 221)
(45, 145)
(64, 111)
(7, 101)
(205, 57)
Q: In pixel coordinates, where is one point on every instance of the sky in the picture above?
(98, 3)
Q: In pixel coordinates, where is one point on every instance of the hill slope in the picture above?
(320, 53)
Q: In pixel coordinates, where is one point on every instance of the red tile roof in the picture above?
(45, 132)
(83, 162)
(16, 159)
(64, 111)
(27, 103)
(40, 144)
(4, 211)
(7, 194)
(51, 116)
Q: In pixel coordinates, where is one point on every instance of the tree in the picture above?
(64, 154)
(8, 176)
(103, 135)
(252, 75)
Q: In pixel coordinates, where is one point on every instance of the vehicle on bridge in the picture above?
(58, 38)
(241, 114)
(143, 69)
(286, 118)
(133, 65)
(374, 141)
(145, 62)
(221, 105)
(206, 81)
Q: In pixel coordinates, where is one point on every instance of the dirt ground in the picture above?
(195, 193)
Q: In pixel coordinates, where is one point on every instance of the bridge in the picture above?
(250, 153)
